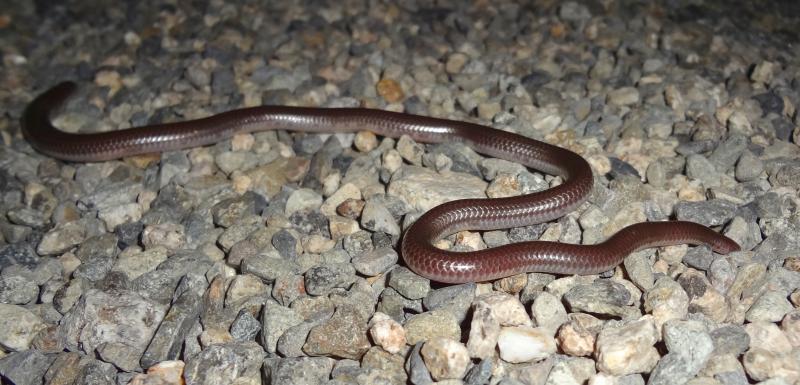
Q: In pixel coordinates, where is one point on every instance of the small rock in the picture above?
(426, 326)
(415, 366)
(524, 343)
(690, 346)
(320, 280)
(62, 237)
(376, 217)
(25, 368)
(387, 333)
(715, 212)
(301, 370)
(365, 141)
(730, 339)
(424, 189)
(548, 312)
(343, 335)
(771, 306)
(761, 364)
(390, 90)
(302, 200)
(225, 362)
(790, 325)
(576, 340)
(169, 235)
(17, 289)
(18, 327)
(245, 327)
(454, 298)
(767, 336)
(763, 72)
(445, 358)
(602, 296)
(375, 262)
(623, 96)
(628, 348)
(666, 301)
(275, 320)
(408, 284)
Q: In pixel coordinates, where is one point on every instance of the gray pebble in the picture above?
(222, 363)
(168, 341)
(418, 373)
(728, 152)
(375, 262)
(409, 284)
(699, 257)
(17, 289)
(715, 212)
(304, 370)
(700, 168)
(18, 253)
(358, 243)
(245, 327)
(771, 306)
(394, 305)
(286, 244)
(229, 211)
(376, 217)
(290, 344)
(730, 339)
(603, 296)
(320, 280)
(455, 298)
(269, 267)
(25, 368)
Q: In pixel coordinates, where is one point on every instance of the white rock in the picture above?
(117, 215)
(524, 343)
(301, 200)
(666, 301)
(507, 309)
(18, 327)
(628, 348)
(424, 189)
(491, 311)
(387, 333)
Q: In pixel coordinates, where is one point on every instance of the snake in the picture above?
(418, 243)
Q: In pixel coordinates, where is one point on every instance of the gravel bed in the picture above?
(272, 258)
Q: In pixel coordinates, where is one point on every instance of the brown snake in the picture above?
(417, 247)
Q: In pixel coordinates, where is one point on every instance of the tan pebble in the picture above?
(575, 340)
(455, 62)
(513, 284)
(211, 337)
(318, 244)
(144, 160)
(241, 183)
(445, 358)
(365, 141)
(341, 226)
(390, 90)
(387, 333)
(242, 142)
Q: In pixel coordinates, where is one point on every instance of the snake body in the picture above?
(417, 247)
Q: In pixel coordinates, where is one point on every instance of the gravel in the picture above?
(274, 257)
